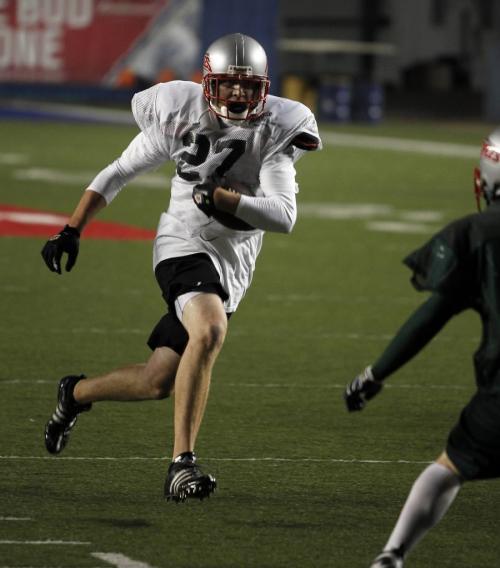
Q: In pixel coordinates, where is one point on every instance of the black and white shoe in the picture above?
(388, 559)
(58, 428)
(185, 480)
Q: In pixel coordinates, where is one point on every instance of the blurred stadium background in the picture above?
(356, 60)
(404, 93)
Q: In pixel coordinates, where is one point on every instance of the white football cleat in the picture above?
(388, 559)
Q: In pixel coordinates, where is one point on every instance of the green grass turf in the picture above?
(323, 304)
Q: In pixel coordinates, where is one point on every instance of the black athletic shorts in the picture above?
(177, 276)
(474, 443)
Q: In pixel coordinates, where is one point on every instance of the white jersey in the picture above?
(253, 157)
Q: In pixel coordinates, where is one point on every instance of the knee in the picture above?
(159, 391)
(211, 335)
(160, 387)
(445, 461)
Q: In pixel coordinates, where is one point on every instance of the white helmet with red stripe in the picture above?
(236, 60)
(487, 176)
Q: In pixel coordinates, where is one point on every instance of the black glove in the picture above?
(363, 388)
(203, 197)
(67, 240)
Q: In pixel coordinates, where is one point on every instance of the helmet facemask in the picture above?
(236, 97)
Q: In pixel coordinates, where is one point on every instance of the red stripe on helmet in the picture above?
(206, 63)
(488, 152)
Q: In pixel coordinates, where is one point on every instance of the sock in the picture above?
(430, 497)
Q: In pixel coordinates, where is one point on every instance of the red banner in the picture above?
(76, 41)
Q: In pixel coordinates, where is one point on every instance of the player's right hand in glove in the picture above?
(363, 388)
(68, 241)
(203, 196)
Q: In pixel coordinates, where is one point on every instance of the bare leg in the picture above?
(206, 322)
(147, 381)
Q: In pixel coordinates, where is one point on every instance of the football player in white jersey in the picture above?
(234, 146)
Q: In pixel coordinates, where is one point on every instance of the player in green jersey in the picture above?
(460, 266)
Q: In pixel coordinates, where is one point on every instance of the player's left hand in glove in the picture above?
(68, 241)
(203, 197)
(363, 388)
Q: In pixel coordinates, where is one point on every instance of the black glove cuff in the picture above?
(71, 230)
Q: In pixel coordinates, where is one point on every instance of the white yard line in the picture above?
(400, 145)
(205, 458)
(399, 227)
(54, 176)
(47, 542)
(334, 210)
(95, 330)
(14, 519)
(120, 560)
(322, 386)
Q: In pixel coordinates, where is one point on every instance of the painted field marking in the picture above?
(318, 460)
(12, 159)
(328, 210)
(120, 560)
(33, 218)
(323, 386)
(16, 221)
(399, 227)
(149, 181)
(422, 216)
(15, 519)
(65, 566)
(400, 145)
(401, 222)
(332, 298)
(47, 542)
(250, 459)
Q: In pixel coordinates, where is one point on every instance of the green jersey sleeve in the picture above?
(445, 263)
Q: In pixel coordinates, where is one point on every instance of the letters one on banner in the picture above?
(48, 40)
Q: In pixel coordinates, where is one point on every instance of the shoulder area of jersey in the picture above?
(280, 107)
(294, 118)
(180, 90)
(171, 94)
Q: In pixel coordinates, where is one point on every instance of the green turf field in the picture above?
(302, 484)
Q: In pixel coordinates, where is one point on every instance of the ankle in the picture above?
(185, 457)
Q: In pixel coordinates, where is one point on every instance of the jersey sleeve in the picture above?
(144, 108)
(148, 150)
(294, 130)
(277, 210)
(140, 156)
(146, 111)
(445, 264)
